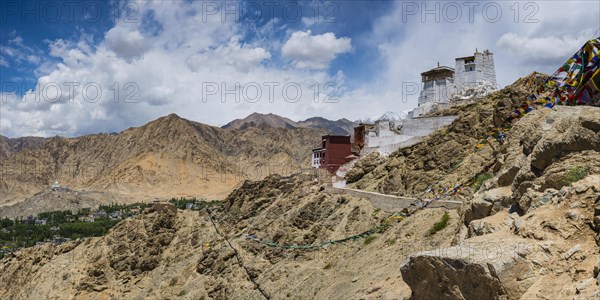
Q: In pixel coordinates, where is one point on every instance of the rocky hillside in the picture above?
(168, 157)
(166, 253)
(531, 231)
(8, 146)
(528, 228)
(261, 120)
(340, 127)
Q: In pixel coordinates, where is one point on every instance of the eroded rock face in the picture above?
(541, 149)
(365, 165)
(528, 202)
(544, 153)
(471, 271)
(138, 249)
(480, 227)
(486, 202)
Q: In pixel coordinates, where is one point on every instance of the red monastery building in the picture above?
(335, 151)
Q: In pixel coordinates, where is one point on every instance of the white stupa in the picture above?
(55, 186)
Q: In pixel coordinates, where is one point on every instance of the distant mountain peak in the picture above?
(387, 116)
(170, 118)
(393, 116)
(341, 126)
(261, 120)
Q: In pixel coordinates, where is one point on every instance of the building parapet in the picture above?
(386, 137)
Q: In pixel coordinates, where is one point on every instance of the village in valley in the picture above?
(58, 227)
(61, 226)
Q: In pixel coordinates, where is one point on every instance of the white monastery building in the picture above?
(472, 76)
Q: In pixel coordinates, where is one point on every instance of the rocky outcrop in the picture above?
(363, 166)
(483, 270)
(486, 202)
(532, 166)
(542, 192)
(546, 252)
(544, 147)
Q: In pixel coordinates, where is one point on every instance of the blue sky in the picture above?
(103, 66)
(43, 21)
(36, 23)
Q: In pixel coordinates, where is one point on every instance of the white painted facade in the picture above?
(388, 136)
(385, 133)
(438, 84)
(475, 70)
(472, 76)
(317, 157)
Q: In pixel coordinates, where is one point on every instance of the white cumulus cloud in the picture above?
(129, 78)
(143, 75)
(314, 51)
(541, 49)
(242, 57)
(126, 43)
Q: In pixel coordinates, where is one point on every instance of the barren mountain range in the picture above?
(339, 127)
(168, 157)
(8, 147)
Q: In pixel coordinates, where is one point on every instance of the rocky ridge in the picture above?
(9, 147)
(339, 127)
(166, 253)
(169, 157)
(530, 230)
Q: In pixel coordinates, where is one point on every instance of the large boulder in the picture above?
(363, 166)
(560, 142)
(487, 202)
(473, 270)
